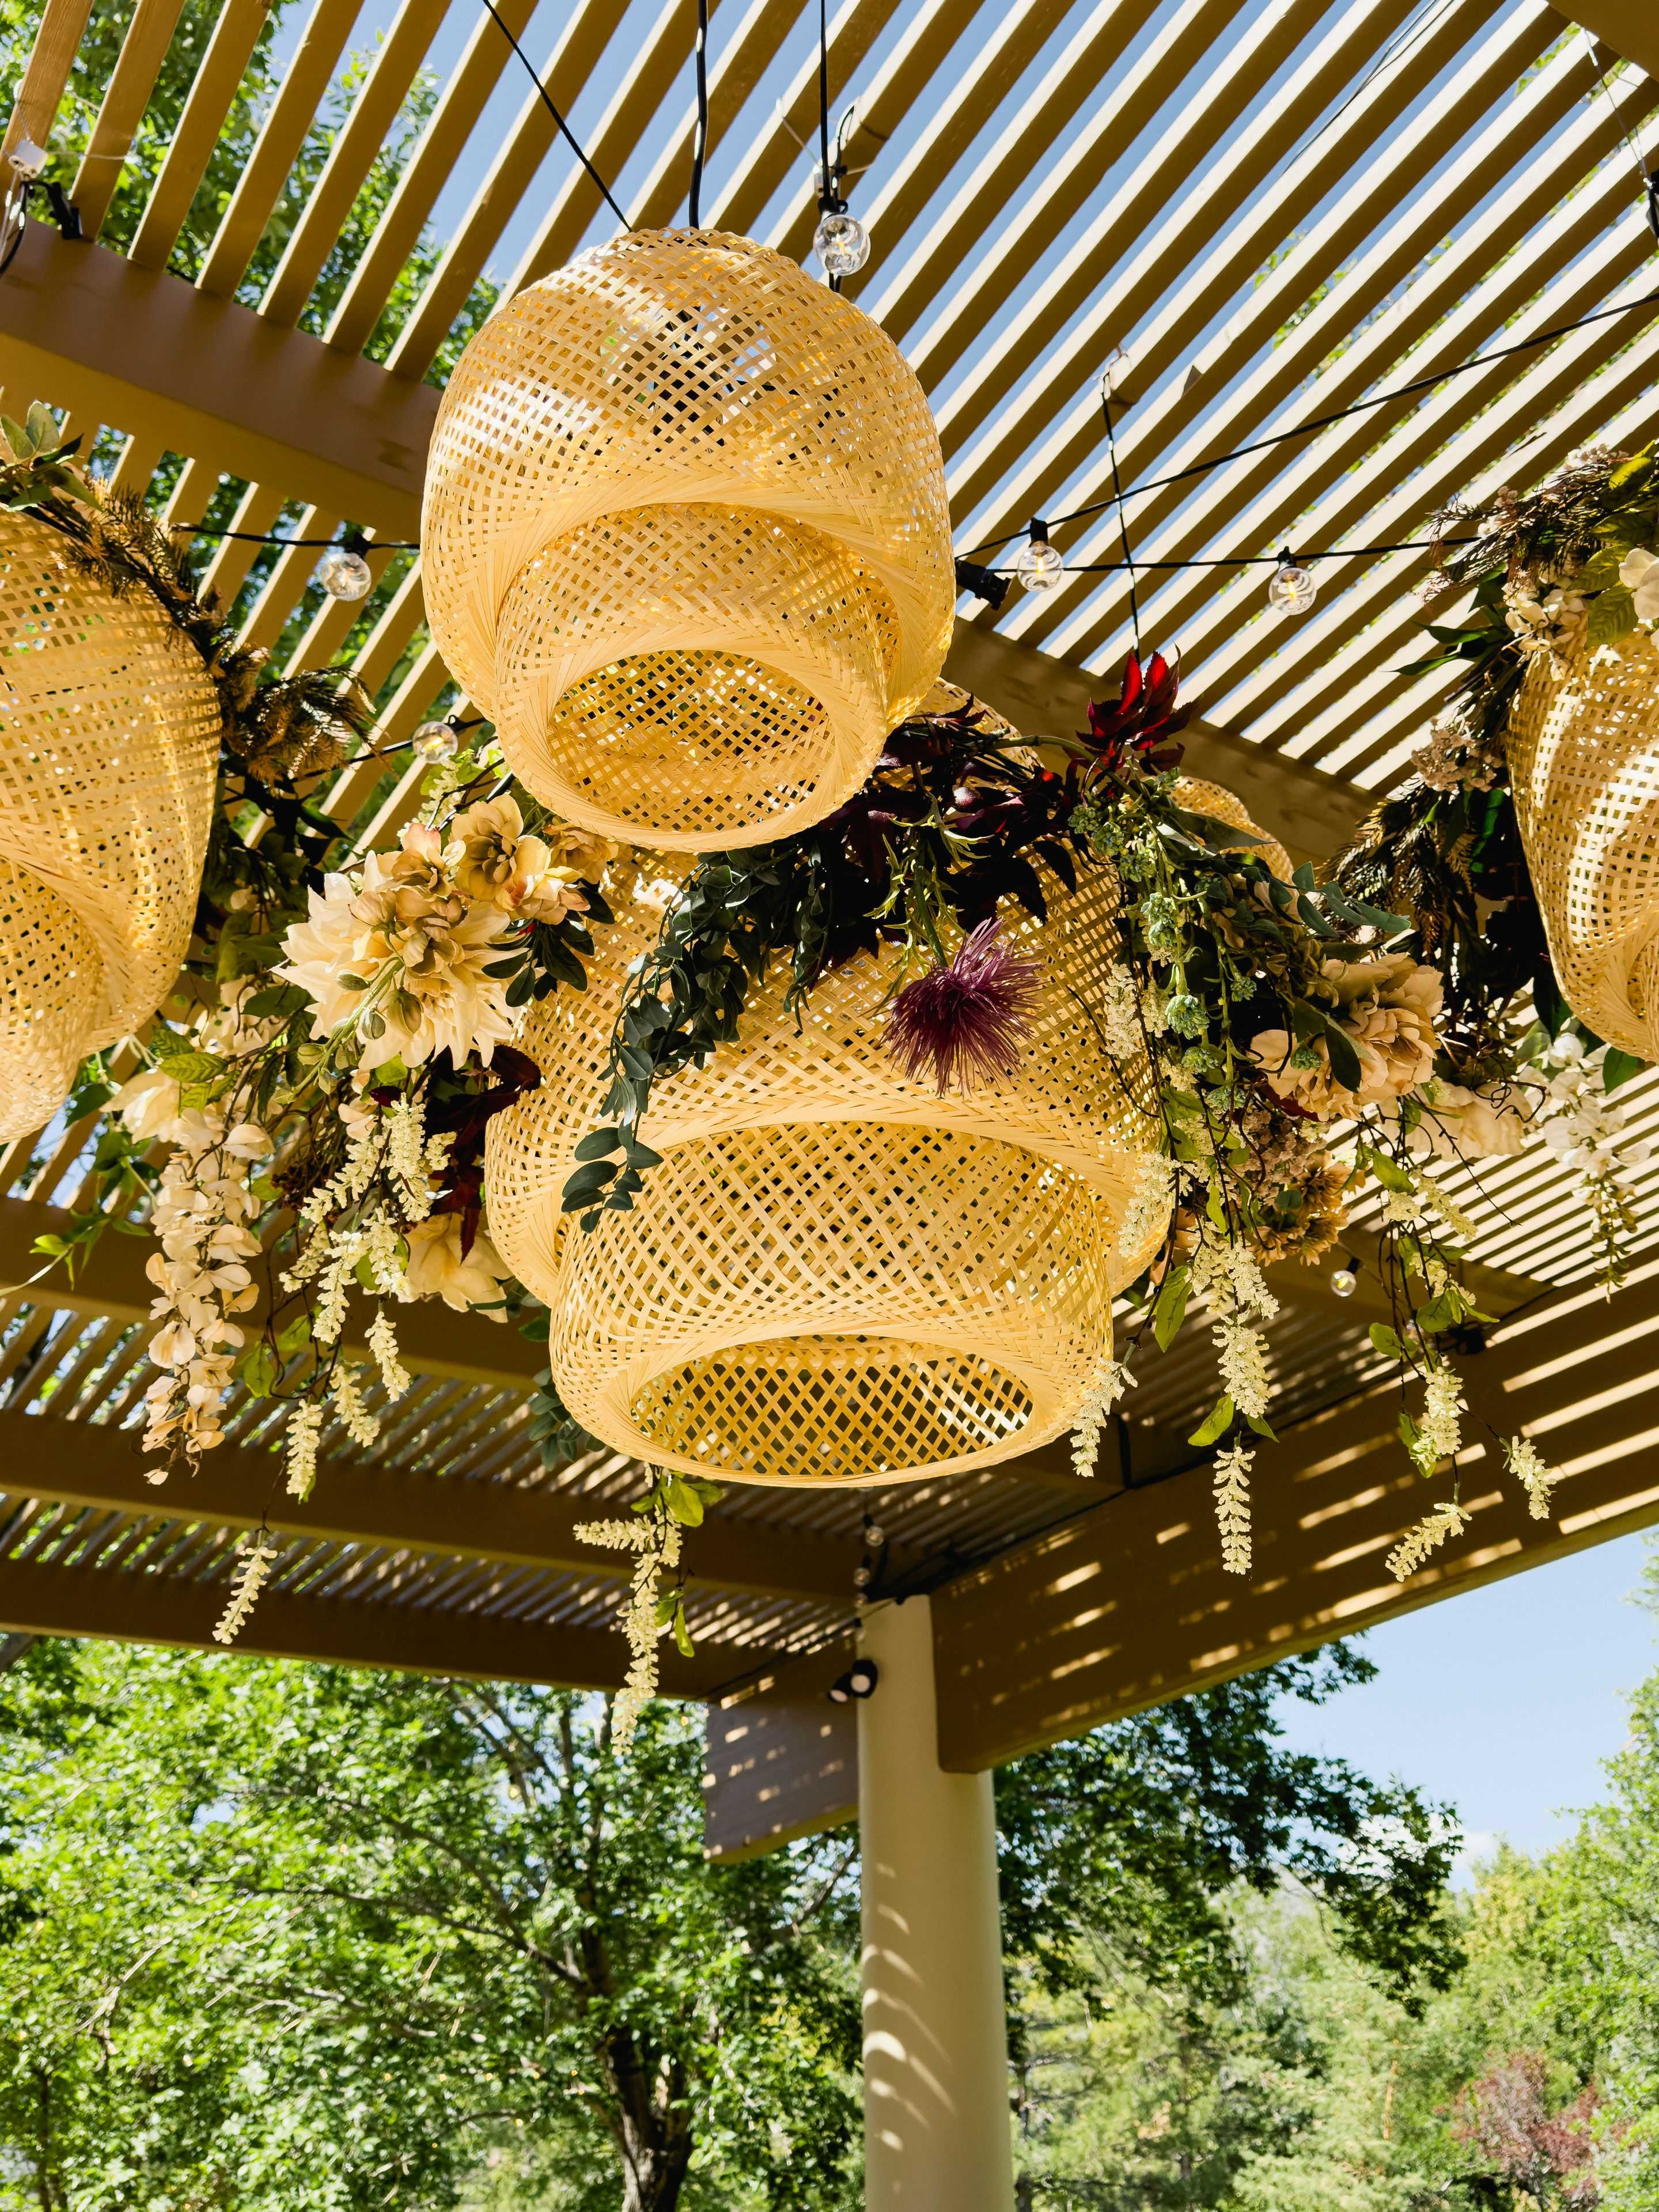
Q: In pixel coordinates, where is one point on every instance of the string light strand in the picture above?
(569, 135)
(1338, 415)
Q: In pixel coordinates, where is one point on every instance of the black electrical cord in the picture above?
(570, 137)
(1122, 519)
(700, 140)
(1340, 415)
(259, 537)
(1252, 560)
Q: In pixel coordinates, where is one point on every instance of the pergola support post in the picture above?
(936, 2115)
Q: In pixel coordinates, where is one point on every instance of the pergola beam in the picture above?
(1630, 27)
(145, 352)
(81, 1463)
(148, 353)
(180, 1613)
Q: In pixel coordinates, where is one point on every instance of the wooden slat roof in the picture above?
(1257, 212)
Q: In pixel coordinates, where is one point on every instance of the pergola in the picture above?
(1257, 212)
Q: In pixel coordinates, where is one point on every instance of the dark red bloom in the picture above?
(964, 1023)
(1137, 731)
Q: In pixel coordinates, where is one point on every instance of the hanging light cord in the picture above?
(826, 182)
(1251, 559)
(1340, 415)
(700, 137)
(262, 538)
(1117, 493)
(570, 138)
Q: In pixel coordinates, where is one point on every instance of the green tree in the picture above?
(264, 1922)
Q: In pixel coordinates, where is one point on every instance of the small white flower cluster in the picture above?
(1232, 1506)
(1531, 1471)
(202, 1213)
(1118, 1012)
(359, 1221)
(1440, 1431)
(658, 1546)
(254, 1574)
(1552, 622)
(1584, 1128)
(1229, 1276)
(1094, 1413)
(1431, 1532)
(1149, 1204)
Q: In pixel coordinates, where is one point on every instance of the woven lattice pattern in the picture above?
(108, 751)
(51, 981)
(978, 1229)
(841, 1303)
(697, 669)
(1199, 797)
(1584, 754)
(1063, 1102)
(692, 370)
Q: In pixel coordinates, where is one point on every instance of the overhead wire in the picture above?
(1324, 421)
(570, 137)
(700, 137)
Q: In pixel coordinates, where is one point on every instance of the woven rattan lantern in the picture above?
(108, 753)
(1583, 759)
(686, 540)
(836, 1275)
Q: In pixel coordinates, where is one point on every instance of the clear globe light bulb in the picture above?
(343, 574)
(874, 1537)
(436, 741)
(861, 1577)
(1038, 565)
(1292, 589)
(1344, 1282)
(841, 244)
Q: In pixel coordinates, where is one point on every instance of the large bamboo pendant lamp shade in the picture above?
(686, 540)
(1583, 758)
(836, 1274)
(108, 751)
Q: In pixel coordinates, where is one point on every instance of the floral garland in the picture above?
(1310, 1042)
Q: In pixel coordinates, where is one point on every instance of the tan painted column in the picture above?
(937, 2133)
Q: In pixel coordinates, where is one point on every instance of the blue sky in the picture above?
(1504, 1700)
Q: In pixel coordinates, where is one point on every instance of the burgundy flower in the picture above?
(1143, 721)
(964, 1023)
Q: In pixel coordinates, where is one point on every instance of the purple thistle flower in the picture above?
(964, 1023)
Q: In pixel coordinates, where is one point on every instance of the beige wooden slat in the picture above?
(960, 108)
(737, 63)
(428, 170)
(46, 73)
(305, 80)
(285, 585)
(778, 147)
(351, 156)
(1377, 603)
(257, 509)
(136, 466)
(229, 50)
(1449, 310)
(661, 63)
(403, 615)
(934, 34)
(580, 45)
(122, 109)
(1221, 391)
(1218, 626)
(331, 625)
(1238, 219)
(1207, 107)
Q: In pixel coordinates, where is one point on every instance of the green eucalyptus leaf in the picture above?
(1171, 1309)
(1216, 1423)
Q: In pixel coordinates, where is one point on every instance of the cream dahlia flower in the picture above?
(437, 1268)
